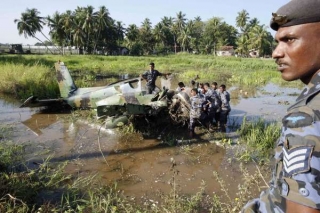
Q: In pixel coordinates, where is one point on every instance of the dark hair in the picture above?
(195, 90)
(215, 83)
(193, 82)
(207, 84)
(151, 64)
(223, 86)
(181, 84)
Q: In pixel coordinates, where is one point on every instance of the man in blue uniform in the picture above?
(225, 107)
(213, 104)
(295, 185)
(151, 76)
(197, 101)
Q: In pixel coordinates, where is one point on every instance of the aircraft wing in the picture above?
(35, 102)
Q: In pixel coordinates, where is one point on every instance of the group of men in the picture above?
(209, 106)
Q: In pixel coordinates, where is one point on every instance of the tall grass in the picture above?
(258, 138)
(23, 81)
(27, 75)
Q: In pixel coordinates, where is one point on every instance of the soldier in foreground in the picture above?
(295, 185)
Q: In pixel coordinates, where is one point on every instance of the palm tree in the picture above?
(167, 21)
(242, 19)
(180, 20)
(211, 32)
(197, 19)
(88, 24)
(24, 27)
(146, 36)
(132, 32)
(253, 22)
(242, 44)
(132, 35)
(179, 23)
(36, 21)
(103, 20)
(258, 37)
(146, 24)
(67, 22)
(78, 35)
(29, 23)
(56, 32)
(185, 37)
(197, 32)
(158, 33)
(120, 31)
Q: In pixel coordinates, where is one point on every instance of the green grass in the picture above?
(257, 139)
(25, 75)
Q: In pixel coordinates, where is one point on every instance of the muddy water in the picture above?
(142, 168)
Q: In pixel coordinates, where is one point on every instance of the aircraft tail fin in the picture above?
(66, 84)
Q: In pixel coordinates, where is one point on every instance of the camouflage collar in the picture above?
(312, 88)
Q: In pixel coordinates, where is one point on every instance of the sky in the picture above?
(135, 11)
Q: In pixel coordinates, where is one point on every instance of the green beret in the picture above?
(296, 12)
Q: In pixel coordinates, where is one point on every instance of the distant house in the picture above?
(120, 51)
(124, 51)
(225, 51)
(254, 53)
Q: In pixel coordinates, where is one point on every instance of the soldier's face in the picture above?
(298, 51)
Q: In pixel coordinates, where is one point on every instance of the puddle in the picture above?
(142, 168)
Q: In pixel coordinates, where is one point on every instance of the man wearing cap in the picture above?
(295, 184)
(151, 76)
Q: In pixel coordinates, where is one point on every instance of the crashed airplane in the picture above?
(118, 100)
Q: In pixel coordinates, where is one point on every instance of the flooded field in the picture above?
(143, 168)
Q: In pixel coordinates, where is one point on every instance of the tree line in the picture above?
(92, 31)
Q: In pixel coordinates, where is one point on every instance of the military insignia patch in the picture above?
(297, 120)
(297, 160)
(279, 19)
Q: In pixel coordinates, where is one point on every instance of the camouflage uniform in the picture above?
(196, 110)
(151, 77)
(225, 108)
(296, 175)
(214, 102)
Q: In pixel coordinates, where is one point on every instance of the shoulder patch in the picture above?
(297, 119)
(297, 160)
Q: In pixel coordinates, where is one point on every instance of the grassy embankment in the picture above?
(22, 76)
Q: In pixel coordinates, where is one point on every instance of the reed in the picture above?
(258, 139)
